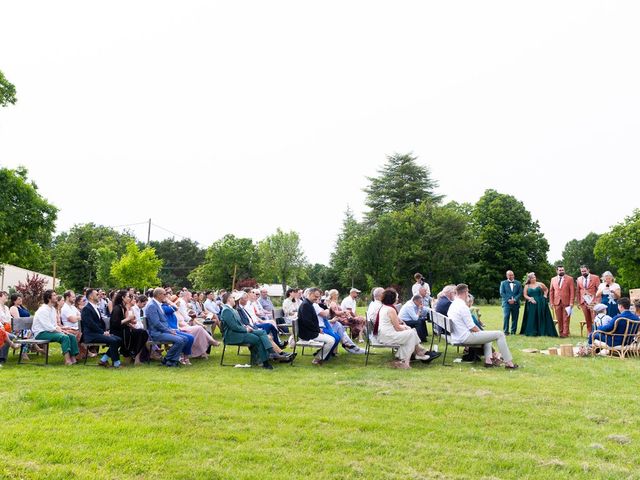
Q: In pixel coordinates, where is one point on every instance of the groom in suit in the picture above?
(510, 293)
(587, 285)
(561, 296)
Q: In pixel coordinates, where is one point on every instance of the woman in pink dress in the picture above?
(202, 339)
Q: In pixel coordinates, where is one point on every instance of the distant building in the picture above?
(10, 276)
(273, 289)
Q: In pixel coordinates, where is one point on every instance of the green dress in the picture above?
(537, 320)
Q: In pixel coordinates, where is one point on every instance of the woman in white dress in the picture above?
(391, 330)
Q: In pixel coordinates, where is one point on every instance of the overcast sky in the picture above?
(240, 116)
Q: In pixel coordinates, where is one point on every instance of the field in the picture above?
(553, 418)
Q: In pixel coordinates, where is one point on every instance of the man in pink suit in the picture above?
(587, 286)
(561, 295)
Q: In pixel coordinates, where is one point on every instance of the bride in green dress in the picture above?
(537, 320)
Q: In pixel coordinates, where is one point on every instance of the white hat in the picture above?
(599, 307)
(238, 295)
(354, 290)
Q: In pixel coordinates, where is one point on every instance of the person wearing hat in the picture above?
(600, 317)
(352, 320)
(236, 333)
(617, 331)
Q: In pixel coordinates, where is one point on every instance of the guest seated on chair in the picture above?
(392, 331)
(309, 326)
(612, 332)
(124, 325)
(601, 317)
(290, 305)
(236, 333)
(248, 320)
(159, 329)
(465, 332)
(445, 297)
(45, 327)
(352, 320)
(93, 330)
(413, 314)
(169, 309)
(266, 304)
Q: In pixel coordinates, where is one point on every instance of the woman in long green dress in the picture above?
(537, 320)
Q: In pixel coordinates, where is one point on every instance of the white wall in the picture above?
(10, 275)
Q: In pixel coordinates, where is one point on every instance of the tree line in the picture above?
(407, 228)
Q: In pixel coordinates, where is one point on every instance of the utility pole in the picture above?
(149, 233)
(54, 274)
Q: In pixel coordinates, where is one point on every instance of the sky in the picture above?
(240, 117)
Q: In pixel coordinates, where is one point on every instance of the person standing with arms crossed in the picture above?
(561, 296)
(510, 293)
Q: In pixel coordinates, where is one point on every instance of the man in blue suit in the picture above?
(510, 293)
(159, 330)
(613, 334)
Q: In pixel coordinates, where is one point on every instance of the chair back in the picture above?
(278, 313)
(631, 332)
(294, 327)
(21, 323)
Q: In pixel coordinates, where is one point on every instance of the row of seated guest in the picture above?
(9, 340)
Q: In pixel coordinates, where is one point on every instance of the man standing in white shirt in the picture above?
(465, 332)
(420, 283)
(45, 327)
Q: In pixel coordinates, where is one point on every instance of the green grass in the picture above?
(551, 419)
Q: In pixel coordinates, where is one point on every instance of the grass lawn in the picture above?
(553, 418)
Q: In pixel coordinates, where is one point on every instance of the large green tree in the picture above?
(77, 257)
(345, 258)
(582, 252)
(137, 268)
(281, 258)
(7, 91)
(507, 239)
(621, 247)
(179, 258)
(27, 222)
(431, 239)
(224, 257)
(401, 182)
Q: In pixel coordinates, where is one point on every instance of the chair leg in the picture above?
(224, 347)
(46, 354)
(86, 355)
(20, 355)
(446, 347)
(366, 353)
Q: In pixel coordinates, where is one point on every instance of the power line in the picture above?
(169, 231)
(127, 225)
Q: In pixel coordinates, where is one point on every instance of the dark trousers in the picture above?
(112, 341)
(510, 310)
(420, 326)
(271, 330)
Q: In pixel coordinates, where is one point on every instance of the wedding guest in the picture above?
(16, 308)
(69, 318)
(309, 326)
(5, 325)
(93, 330)
(236, 333)
(267, 304)
(412, 313)
(612, 332)
(290, 305)
(212, 310)
(561, 297)
(465, 332)
(138, 309)
(374, 306)
(202, 341)
(335, 314)
(390, 330)
(159, 330)
(608, 293)
(45, 327)
(353, 320)
(586, 289)
(124, 325)
(601, 317)
(169, 309)
(510, 294)
(445, 297)
(249, 317)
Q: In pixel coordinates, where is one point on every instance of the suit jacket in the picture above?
(234, 332)
(91, 323)
(244, 316)
(593, 282)
(442, 306)
(308, 326)
(156, 319)
(564, 294)
(506, 293)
